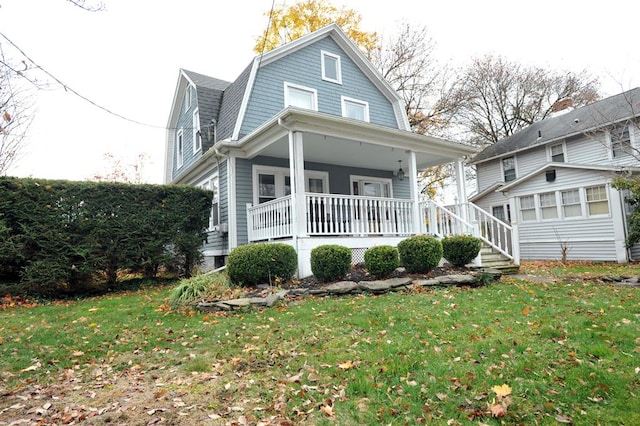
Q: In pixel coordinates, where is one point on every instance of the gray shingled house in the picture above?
(552, 181)
(308, 146)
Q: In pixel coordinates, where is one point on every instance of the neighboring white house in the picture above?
(552, 181)
(308, 146)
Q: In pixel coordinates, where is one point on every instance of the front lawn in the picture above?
(513, 352)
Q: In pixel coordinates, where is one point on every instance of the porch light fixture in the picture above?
(400, 171)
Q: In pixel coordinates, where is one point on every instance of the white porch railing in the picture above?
(353, 215)
(442, 221)
(270, 220)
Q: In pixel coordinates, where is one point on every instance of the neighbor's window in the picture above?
(331, 67)
(620, 141)
(353, 108)
(499, 212)
(300, 96)
(597, 200)
(548, 205)
(179, 148)
(571, 206)
(509, 169)
(197, 138)
(557, 153)
(527, 208)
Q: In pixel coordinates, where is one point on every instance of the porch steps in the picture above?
(492, 258)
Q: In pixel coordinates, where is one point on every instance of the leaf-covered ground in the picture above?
(512, 352)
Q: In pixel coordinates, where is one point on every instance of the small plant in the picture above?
(420, 253)
(381, 261)
(189, 290)
(262, 263)
(460, 250)
(330, 262)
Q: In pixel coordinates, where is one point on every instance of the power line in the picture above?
(67, 88)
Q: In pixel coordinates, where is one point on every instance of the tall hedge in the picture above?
(61, 234)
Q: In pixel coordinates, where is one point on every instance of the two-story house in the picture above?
(308, 146)
(552, 181)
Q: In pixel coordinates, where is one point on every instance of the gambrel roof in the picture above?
(623, 106)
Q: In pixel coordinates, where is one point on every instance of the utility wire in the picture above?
(70, 89)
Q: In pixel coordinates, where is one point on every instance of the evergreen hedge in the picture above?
(61, 235)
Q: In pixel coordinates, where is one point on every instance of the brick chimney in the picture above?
(562, 105)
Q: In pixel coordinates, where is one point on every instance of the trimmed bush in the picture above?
(420, 253)
(330, 262)
(381, 261)
(261, 263)
(460, 249)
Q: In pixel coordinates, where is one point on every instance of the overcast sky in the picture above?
(126, 59)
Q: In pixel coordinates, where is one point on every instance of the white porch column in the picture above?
(296, 172)
(462, 190)
(415, 194)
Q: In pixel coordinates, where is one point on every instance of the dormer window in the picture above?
(186, 103)
(197, 136)
(353, 108)
(331, 67)
(300, 96)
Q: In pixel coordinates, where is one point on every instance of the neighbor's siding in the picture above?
(304, 68)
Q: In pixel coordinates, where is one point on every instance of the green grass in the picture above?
(566, 350)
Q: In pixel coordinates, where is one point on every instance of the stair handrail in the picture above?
(500, 240)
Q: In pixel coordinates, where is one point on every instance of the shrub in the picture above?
(381, 261)
(330, 262)
(262, 263)
(460, 249)
(190, 290)
(420, 253)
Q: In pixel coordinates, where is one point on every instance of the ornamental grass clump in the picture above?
(381, 261)
(262, 263)
(330, 262)
(460, 250)
(420, 253)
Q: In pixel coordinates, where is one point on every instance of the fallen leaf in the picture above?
(33, 367)
(525, 311)
(327, 410)
(502, 390)
(564, 419)
(295, 379)
(497, 410)
(345, 365)
(78, 353)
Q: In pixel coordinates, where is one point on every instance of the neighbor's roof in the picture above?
(580, 120)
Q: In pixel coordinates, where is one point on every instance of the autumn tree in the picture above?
(496, 97)
(119, 171)
(287, 23)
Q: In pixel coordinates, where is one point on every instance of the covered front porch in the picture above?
(314, 178)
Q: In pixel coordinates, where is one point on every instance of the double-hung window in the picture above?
(300, 96)
(556, 152)
(527, 208)
(509, 169)
(597, 200)
(197, 138)
(371, 187)
(548, 205)
(620, 141)
(331, 68)
(212, 185)
(354, 108)
(571, 206)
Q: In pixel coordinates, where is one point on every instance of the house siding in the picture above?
(185, 122)
(267, 97)
(219, 244)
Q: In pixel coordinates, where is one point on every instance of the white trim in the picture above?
(313, 92)
(179, 148)
(361, 180)
(245, 99)
(515, 168)
(207, 183)
(323, 55)
(344, 100)
(196, 137)
(280, 173)
(564, 152)
(188, 98)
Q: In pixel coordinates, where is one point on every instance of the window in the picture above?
(620, 141)
(197, 138)
(571, 206)
(597, 201)
(371, 187)
(499, 213)
(275, 182)
(186, 102)
(556, 152)
(527, 208)
(548, 205)
(353, 108)
(212, 185)
(509, 169)
(331, 67)
(179, 148)
(299, 96)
